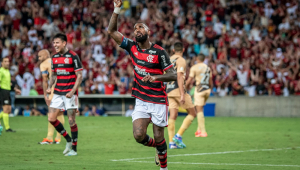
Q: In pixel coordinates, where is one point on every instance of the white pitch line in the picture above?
(229, 164)
(210, 153)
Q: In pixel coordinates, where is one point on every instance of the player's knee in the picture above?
(138, 136)
(51, 119)
(158, 137)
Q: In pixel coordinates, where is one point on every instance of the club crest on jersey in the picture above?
(150, 58)
(66, 61)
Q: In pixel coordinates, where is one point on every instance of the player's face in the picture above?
(59, 45)
(5, 63)
(141, 32)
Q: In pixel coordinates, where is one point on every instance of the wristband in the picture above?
(117, 10)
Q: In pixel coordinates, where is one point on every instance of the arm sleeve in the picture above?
(126, 43)
(165, 60)
(192, 72)
(181, 65)
(43, 70)
(52, 66)
(77, 64)
(20, 81)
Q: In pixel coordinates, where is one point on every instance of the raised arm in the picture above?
(113, 23)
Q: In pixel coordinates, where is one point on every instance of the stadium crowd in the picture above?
(252, 47)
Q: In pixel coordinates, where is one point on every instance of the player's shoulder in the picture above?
(158, 48)
(72, 53)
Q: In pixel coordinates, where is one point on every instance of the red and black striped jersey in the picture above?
(65, 66)
(152, 61)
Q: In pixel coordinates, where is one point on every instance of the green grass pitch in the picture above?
(233, 143)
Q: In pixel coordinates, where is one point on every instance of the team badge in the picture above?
(150, 58)
(66, 61)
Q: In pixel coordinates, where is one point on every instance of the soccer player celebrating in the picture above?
(203, 76)
(45, 67)
(5, 94)
(67, 70)
(177, 96)
(150, 62)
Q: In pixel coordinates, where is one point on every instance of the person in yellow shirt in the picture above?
(45, 67)
(5, 87)
(202, 74)
(178, 96)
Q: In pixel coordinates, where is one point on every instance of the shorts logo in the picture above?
(66, 61)
(150, 58)
(6, 101)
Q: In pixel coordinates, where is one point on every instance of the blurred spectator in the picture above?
(247, 43)
(129, 111)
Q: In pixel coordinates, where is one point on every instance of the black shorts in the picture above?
(5, 97)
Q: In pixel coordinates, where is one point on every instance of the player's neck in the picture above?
(178, 53)
(145, 45)
(64, 51)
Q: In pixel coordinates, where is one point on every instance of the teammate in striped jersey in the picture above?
(67, 70)
(150, 61)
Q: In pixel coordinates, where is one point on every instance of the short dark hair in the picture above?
(178, 47)
(61, 36)
(201, 57)
(4, 58)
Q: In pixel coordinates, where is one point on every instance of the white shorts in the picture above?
(158, 113)
(63, 103)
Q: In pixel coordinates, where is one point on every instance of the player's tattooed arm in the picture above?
(78, 81)
(170, 75)
(113, 25)
(52, 79)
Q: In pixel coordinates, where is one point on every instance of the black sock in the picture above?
(74, 132)
(162, 153)
(60, 129)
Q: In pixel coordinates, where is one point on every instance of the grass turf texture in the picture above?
(103, 139)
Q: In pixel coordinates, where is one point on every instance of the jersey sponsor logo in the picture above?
(61, 65)
(57, 55)
(62, 72)
(150, 58)
(66, 61)
(163, 57)
(151, 51)
(141, 71)
(140, 61)
(68, 55)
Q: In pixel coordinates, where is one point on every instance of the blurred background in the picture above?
(252, 46)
